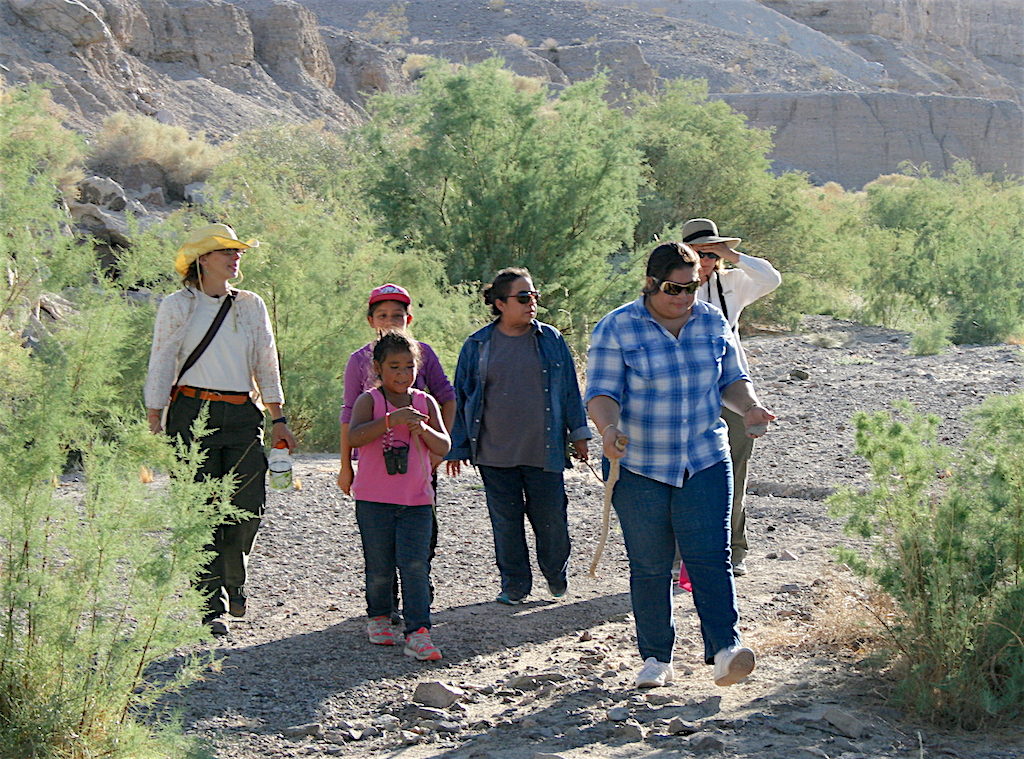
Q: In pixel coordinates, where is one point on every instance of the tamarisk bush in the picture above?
(95, 570)
(949, 547)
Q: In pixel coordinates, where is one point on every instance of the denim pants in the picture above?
(234, 446)
(393, 537)
(655, 519)
(396, 604)
(515, 492)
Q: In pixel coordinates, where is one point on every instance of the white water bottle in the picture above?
(280, 463)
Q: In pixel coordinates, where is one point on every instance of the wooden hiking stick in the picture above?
(609, 487)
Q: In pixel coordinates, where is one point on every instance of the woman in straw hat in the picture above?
(184, 376)
(732, 289)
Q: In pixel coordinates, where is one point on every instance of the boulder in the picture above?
(103, 191)
(436, 694)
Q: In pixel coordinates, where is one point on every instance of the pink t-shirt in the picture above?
(372, 481)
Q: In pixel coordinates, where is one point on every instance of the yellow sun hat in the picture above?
(203, 240)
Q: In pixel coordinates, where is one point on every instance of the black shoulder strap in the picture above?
(721, 296)
(208, 337)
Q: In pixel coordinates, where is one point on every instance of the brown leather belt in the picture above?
(213, 395)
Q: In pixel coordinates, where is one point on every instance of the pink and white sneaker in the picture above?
(419, 646)
(379, 631)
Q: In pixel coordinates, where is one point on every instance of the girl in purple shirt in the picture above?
(389, 309)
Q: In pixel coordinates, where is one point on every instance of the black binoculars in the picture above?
(396, 458)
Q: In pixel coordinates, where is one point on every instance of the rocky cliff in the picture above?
(858, 136)
(838, 81)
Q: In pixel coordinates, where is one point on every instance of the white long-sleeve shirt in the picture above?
(753, 278)
(241, 357)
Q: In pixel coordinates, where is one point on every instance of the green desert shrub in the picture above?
(948, 538)
(96, 572)
(487, 174)
(37, 156)
(959, 252)
(704, 160)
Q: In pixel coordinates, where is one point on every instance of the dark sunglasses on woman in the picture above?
(524, 296)
(675, 288)
(708, 254)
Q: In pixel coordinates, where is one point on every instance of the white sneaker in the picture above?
(732, 664)
(654, 674)
(739, 568)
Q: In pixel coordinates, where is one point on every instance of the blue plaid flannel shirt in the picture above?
(669, 389)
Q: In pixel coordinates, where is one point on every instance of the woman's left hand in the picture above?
(580, 448)
(279, 432)
(756, 420)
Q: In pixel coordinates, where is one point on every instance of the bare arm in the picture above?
(279, 431)
(365, 429)
(448, 414)
(432, 431)
(740, 397)
(346, 474)
(604, 410)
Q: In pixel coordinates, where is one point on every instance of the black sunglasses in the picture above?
(677, 288)
(523, 296)
(708, 254)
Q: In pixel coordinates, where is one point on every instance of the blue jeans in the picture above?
(396, 536)
(655, 517)
(515, 492)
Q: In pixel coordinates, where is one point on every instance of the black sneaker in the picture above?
(558, 590)
(508, 599)
(236, 604)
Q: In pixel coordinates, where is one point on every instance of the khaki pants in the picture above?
(740, 447)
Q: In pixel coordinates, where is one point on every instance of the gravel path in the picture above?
(297, 678)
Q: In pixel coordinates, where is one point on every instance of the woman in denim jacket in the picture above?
(517, 404)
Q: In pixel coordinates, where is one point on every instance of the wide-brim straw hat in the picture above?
(705, 232)
(203, 240)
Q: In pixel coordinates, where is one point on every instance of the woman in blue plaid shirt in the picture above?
(659, 371)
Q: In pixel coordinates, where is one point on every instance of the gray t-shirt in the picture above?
(512, 426)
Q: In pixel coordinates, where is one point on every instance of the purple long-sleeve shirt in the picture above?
(359, 377)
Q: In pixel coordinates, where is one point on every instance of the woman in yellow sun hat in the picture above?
(213, 346)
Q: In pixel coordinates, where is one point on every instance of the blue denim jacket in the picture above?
(564, 417)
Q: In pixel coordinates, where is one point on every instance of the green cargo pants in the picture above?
(233, 446)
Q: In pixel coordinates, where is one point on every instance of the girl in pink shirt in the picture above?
(396, 427)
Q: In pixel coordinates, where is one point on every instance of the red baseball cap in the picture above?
(389, 292)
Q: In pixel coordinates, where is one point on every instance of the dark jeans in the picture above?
(656, 518)
(515, 492)
(234, 446)
(396, 536)
(396, 604)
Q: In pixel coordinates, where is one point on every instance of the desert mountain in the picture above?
(851, 89)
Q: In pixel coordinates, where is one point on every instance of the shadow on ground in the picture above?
(330, 662)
